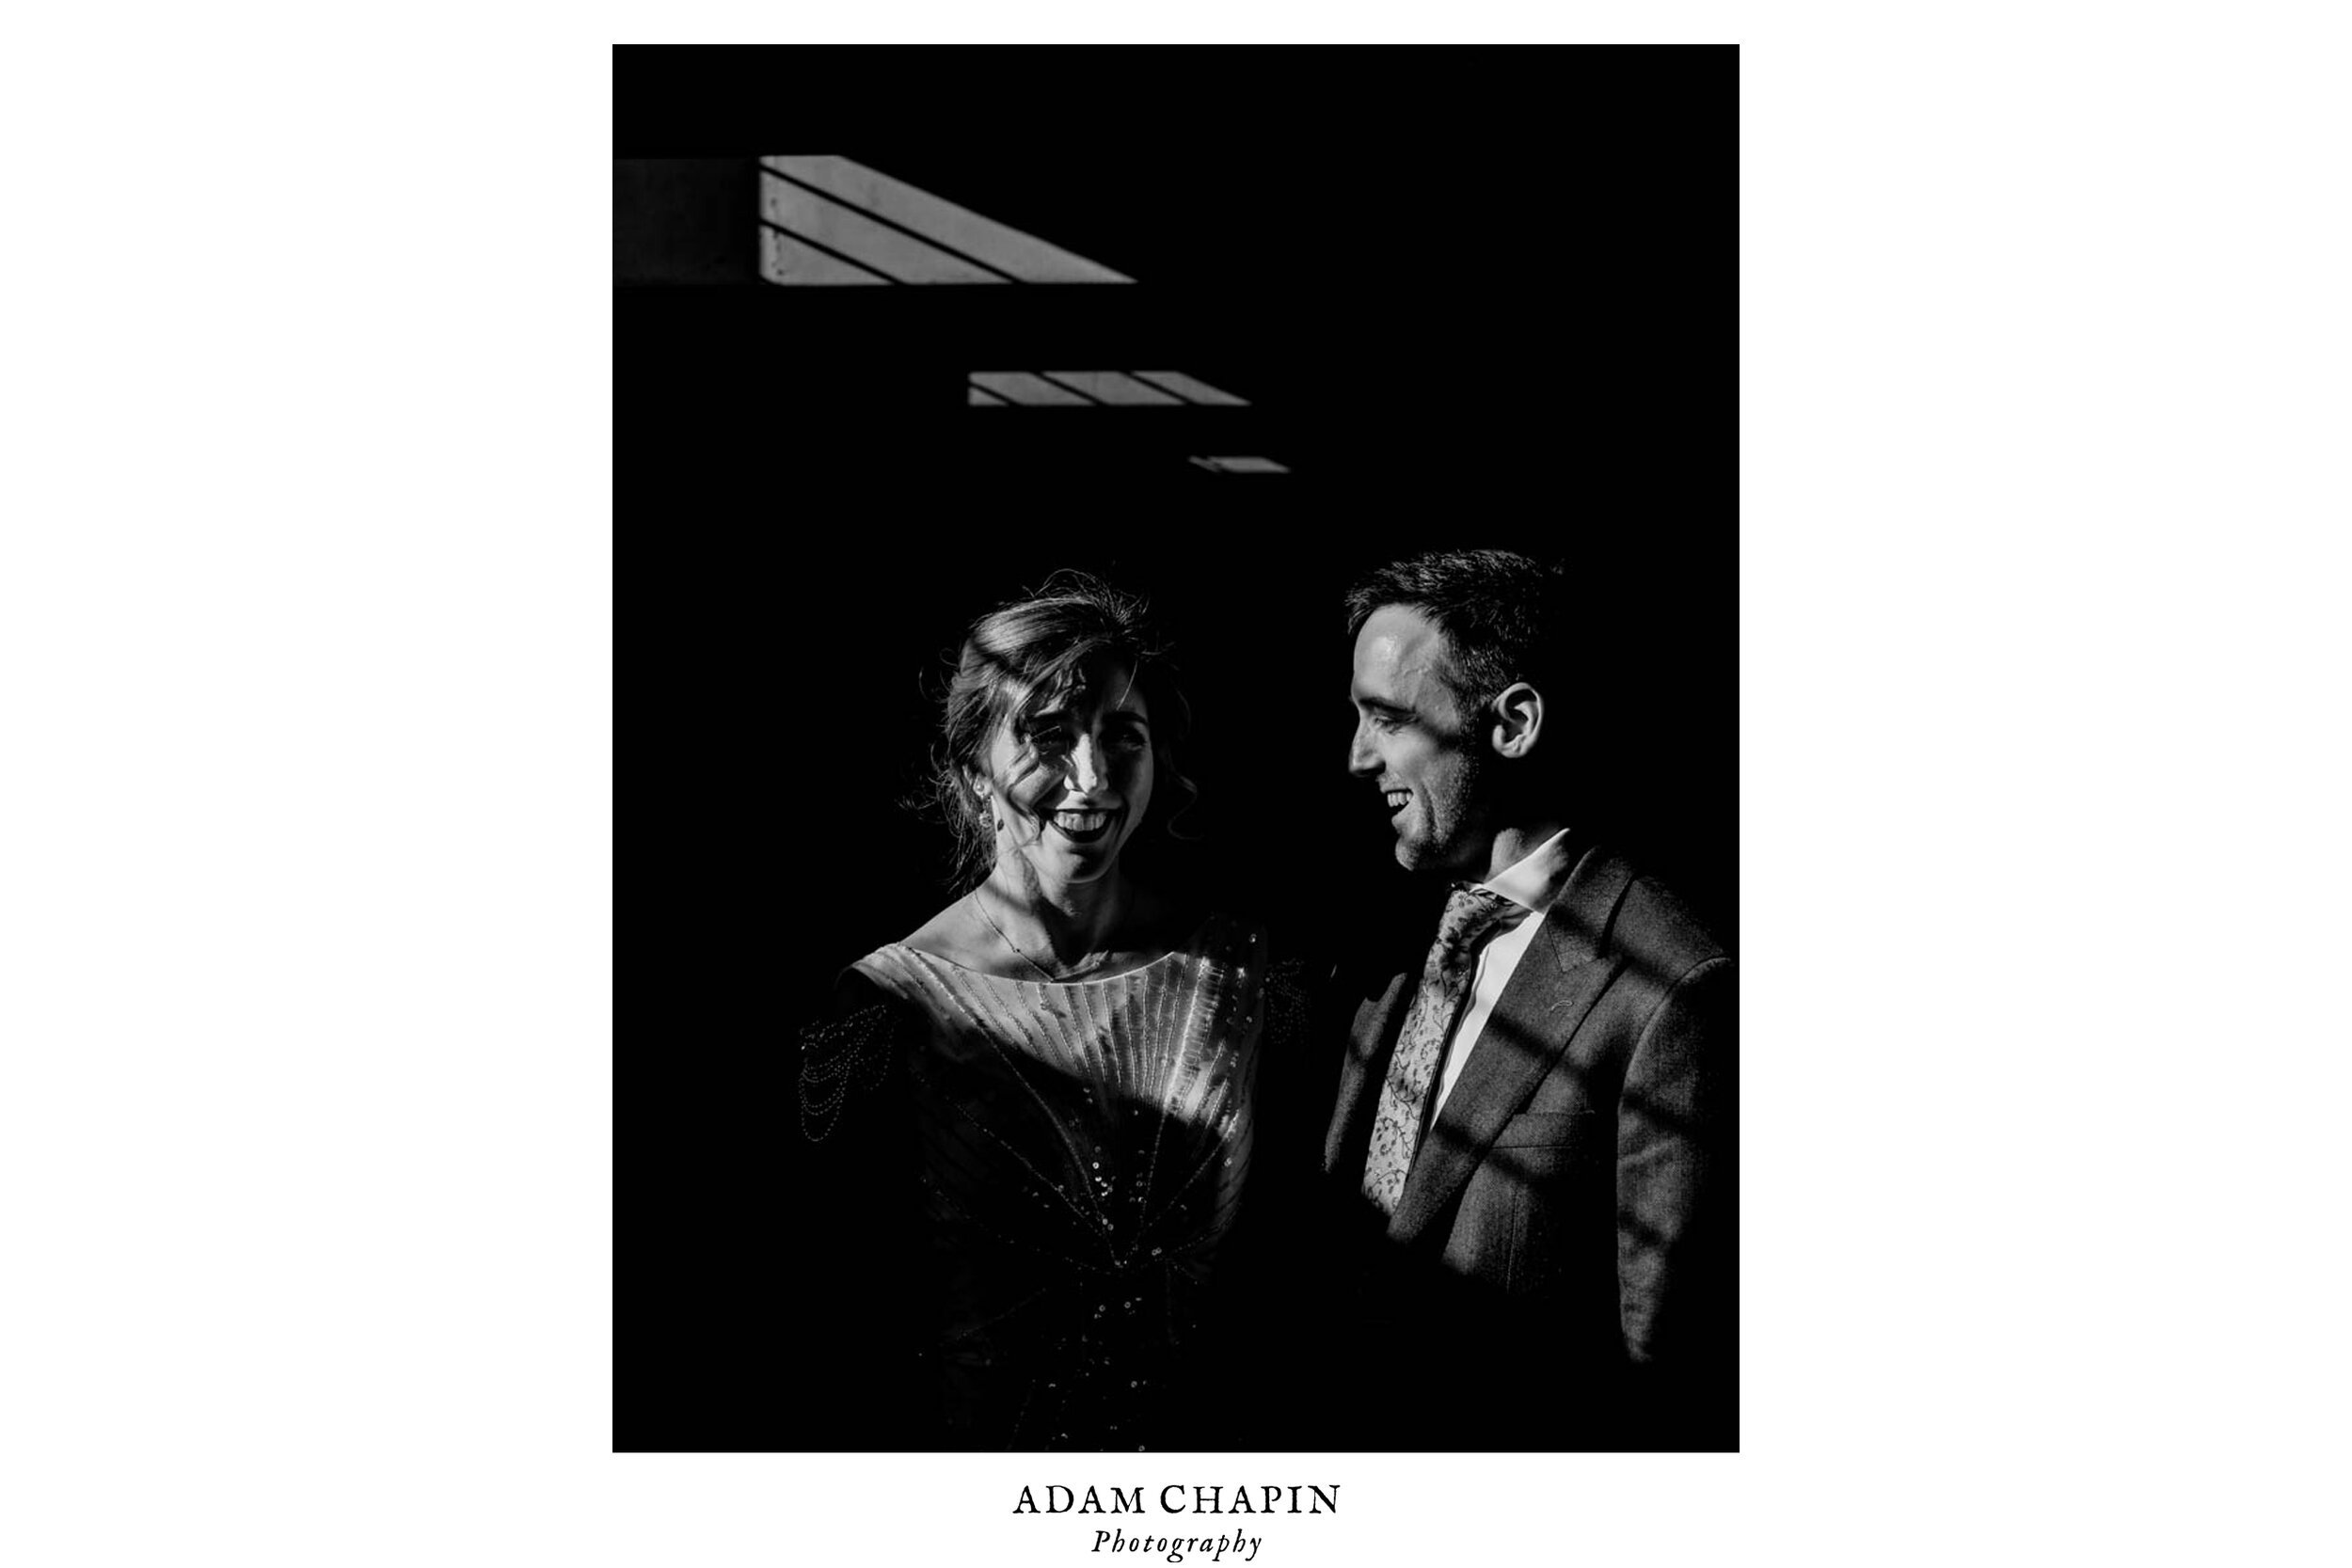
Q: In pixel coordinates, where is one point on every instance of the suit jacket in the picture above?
(1570, 1212)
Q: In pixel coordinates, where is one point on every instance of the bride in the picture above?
(1059, 1063)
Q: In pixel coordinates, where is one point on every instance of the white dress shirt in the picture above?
(1534, 882)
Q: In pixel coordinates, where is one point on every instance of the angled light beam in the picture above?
(1114, 389)
(1115, 386)
(786, 259)
(1241, 464)
(1191, 388)
(847, 232)
(1024, 387)
(930, 239)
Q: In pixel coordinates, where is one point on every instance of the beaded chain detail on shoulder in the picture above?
(837, 1057)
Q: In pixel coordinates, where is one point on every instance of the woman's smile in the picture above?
(1086, 825)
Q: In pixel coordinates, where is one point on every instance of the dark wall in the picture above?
(685, 221)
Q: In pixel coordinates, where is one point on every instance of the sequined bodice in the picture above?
(1082, 1148)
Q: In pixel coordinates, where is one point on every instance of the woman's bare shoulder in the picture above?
(951, 934)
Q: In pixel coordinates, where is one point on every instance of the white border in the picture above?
(305, 643)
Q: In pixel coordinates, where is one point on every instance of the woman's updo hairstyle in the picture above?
(1028, 655)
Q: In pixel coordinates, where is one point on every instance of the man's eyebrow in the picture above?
(1380, 702)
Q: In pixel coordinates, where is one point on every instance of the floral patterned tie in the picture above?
(1472, 915)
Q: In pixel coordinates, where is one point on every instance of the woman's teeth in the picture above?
(1080, 821)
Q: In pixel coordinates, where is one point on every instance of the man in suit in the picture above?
(1529, 1168)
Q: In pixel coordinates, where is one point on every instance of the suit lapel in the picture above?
(1369, 1039)
(1565, 968)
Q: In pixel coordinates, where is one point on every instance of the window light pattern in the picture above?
(1097, 388)
(1241, 464)
(828, 220)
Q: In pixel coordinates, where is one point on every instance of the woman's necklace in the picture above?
(1087, 968)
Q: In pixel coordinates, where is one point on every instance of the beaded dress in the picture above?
(1080, 1149)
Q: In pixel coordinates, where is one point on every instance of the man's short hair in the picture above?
(1500, 611)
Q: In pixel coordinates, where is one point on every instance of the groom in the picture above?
(1529, 1169)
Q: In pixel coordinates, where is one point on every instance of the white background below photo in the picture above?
(306, 660)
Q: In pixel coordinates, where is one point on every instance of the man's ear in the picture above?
(1518, 716)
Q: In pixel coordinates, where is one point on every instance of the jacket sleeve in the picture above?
(1677, 1198)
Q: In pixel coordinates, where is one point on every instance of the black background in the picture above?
(1474, 297)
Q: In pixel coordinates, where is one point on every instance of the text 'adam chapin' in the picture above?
(1176, 1497)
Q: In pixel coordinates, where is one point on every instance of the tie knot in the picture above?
(1472, 915)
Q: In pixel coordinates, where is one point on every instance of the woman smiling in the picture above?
(1071, 1052)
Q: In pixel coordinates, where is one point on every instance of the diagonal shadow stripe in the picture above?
(938, 221)
(847, 229)
(825, 250)
(873, 216)
(1191, 388)
(1116, 386)
(1050, 376)
(1172, 391)
(1020, 386)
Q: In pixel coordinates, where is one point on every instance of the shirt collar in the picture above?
(1534, 880)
